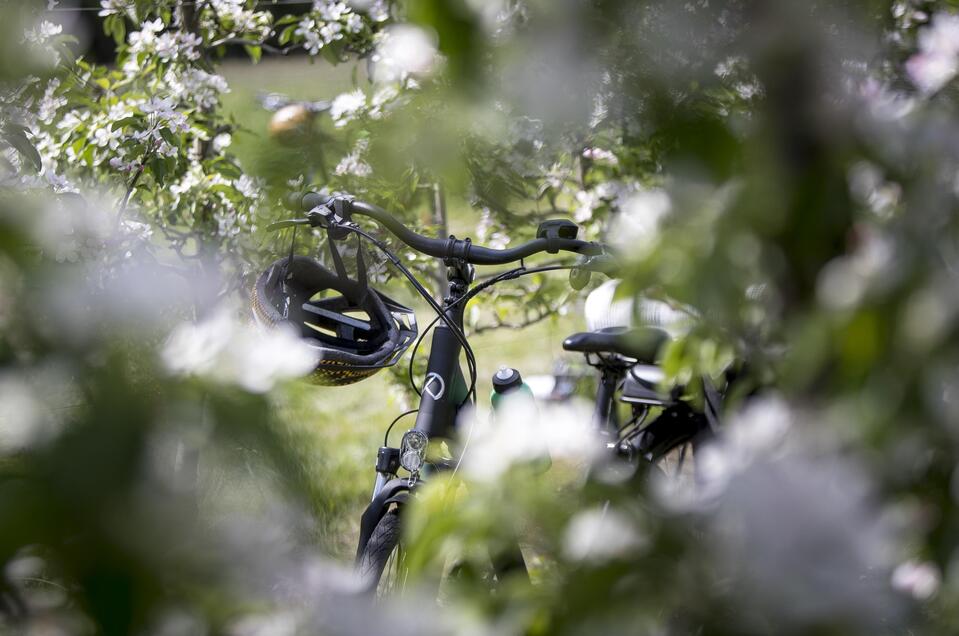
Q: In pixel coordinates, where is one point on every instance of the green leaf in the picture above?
(286, 35)
(18, 140)
(114, 26)
(255, 52)
(288, 19)
(158, 168)
(168, 137)
(125, 122)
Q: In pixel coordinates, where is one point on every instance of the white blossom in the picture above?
(331, 31)
(330, 10)
(586, 203)
(196, 86)
(43, 32)
(937, 61)
(145, 39)
(383, 96)
(123, 166)
(346, 106)
(353, 164)
(51, 102)
(249, 187)
(222, 141)
(242, 19)
(111, 7)
(353, 23)
(307, 30)
(178, 44)
(379, 11)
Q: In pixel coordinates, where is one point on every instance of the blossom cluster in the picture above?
(937, 61)
(329, 22)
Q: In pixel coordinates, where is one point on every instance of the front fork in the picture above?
(387, 465)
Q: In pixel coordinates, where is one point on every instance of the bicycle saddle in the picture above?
(640, 343)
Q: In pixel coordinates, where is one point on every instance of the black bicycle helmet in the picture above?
(356, 330)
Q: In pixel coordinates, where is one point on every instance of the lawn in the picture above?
(341, 428)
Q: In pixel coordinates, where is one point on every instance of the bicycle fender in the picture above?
(395, 491)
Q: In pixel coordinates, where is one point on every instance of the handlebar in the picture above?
(331, 211)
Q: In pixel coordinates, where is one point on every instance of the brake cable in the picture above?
(489, 282)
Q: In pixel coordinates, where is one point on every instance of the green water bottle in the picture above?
(506, 382)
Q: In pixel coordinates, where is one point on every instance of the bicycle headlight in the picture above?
(413, 450)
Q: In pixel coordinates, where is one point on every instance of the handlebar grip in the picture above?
(310, 200)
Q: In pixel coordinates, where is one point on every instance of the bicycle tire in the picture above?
(383, 545)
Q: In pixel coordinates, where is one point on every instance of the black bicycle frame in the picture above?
(444, 386)
(444, 393)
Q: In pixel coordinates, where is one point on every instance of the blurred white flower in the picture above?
(729, 65)
(227, 351)
(382, 98)
(599, 535)
(522, 432)
(20, 414)
(33, 404)
(844, 281)
(346, 106)
(586, 202)
(222, 141)
(937, 61)
(353, 164)
(250, 187)
(600, 155)
(404, 50)
(885, 103)
(43, 32)
(920, 580)
(759, 431)
(636, 227)
(801, 538)
(51, 102)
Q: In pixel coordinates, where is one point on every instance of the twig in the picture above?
(269, 48)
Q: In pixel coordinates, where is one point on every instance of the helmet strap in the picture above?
(289, 261)
(361, 274)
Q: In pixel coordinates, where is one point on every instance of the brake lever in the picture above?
(320, 216)
(280, 225)
(604, 263)
(580, 275)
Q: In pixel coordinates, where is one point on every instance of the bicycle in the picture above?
(446, 390)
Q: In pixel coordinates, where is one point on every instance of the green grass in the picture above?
(340, 429)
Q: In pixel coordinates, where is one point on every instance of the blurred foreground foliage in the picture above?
(786, 173)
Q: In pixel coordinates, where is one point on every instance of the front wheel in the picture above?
(381, 566)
